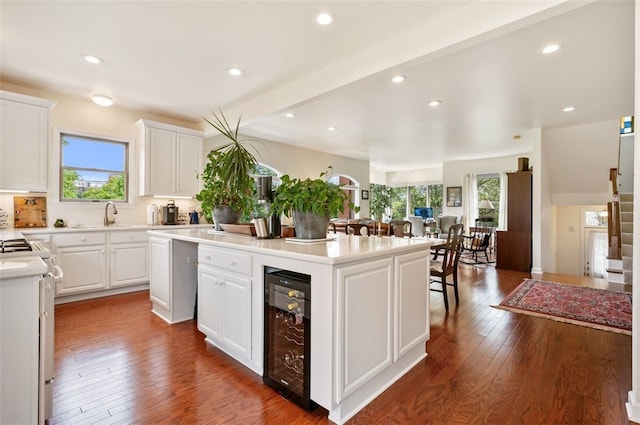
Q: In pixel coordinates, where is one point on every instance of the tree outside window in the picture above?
(93, 169)
(489, 189)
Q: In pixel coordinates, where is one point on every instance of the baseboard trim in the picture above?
(633, 408)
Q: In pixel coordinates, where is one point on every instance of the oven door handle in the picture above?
(58, 275)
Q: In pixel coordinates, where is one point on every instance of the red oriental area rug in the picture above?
(594, 308)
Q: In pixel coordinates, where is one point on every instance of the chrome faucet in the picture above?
(106, 213)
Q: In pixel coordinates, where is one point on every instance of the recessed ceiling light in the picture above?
(93, 59)
(102, 100)
(550, 48)
(569, 109)
(398, 79)
(235, 71)
(434, 103)
(289, 115)
(332, 128)
(324, 18)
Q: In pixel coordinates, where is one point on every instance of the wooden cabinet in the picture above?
(173, 278)
(128, 258)
(24, 136)
(83, 259)
(169, 158)
(224, 300)
(514, 244)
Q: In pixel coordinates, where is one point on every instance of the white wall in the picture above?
(578, 161)
(303, 163)
(454, 172)
(82, 115)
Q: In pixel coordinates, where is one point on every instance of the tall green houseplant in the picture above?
(227, 179)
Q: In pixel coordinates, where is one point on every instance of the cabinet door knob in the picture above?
(208, 258)
(234, 263)
(83, 239)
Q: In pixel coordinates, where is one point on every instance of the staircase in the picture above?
(620, 270)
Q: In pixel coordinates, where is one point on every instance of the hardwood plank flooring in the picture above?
(117, 363)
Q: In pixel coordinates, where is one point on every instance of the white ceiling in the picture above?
(481, 58)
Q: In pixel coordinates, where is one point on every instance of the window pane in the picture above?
(92, 154)
(92, 169)
(489, 189)
(398, 203)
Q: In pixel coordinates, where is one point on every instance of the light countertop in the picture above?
(13, 233)
(338, 249)
(17, 267)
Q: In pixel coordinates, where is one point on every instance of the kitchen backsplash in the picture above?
(93, 214)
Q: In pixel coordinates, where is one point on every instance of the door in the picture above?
(129, 264)
(595, 252)
(236, 311)
(84, 269)
(209, 300)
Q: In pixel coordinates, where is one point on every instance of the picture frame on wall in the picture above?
(454, 196)
(364, 194)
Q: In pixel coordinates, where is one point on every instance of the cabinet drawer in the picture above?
(80, 239)
(120, 237)
(226, 259)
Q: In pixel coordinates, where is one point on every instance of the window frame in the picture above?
(57, 174)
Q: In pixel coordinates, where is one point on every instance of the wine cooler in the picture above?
(287, 326)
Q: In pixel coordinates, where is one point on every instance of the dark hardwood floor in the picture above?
(116, 363)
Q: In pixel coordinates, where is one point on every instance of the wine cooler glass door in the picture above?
(287, 327)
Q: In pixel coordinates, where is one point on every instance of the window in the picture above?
(489, 189)
(93, 169)
(352, 188)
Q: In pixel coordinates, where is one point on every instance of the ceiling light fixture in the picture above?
(236, 72)
(569, 109)
(332, 128)
(550, 48)
(102, 100)
(435, 103)
(289, 115)
(324, 18)
(398, 79)
(93, 59)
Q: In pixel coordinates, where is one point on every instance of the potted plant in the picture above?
(311, 202)
(227, 183)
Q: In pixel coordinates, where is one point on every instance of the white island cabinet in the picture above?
(369, 305)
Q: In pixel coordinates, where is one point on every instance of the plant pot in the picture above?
(310, 226)
(224, 214)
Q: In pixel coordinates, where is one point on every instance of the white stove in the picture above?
(20, 247)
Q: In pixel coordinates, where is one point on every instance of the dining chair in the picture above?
(448, 265)
(400, 228)
(357, 229)
(477, 242)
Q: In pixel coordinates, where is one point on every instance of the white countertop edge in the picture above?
(14, 233)
(27, 266)
(278, 247)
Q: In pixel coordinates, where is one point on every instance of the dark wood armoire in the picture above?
(513, 251)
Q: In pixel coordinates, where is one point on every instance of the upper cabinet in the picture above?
(24, 136)
(169, 159)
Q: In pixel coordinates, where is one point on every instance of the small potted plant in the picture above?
(227, 181)
(311, 202)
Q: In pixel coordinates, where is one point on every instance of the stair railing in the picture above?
(613, 213)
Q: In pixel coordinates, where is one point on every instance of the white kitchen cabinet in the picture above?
(96, 261)
(24, 136)
(19, 311)
(377, 303)
(169, 158)
(160, 272)
(173, 278)
(83, 258)
(224, 300)
(129, 258)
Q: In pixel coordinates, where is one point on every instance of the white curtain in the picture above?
(470, 200)
(502, 211)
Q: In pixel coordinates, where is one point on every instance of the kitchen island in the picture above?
(369, 303)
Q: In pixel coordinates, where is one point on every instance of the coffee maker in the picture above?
(267, 224)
